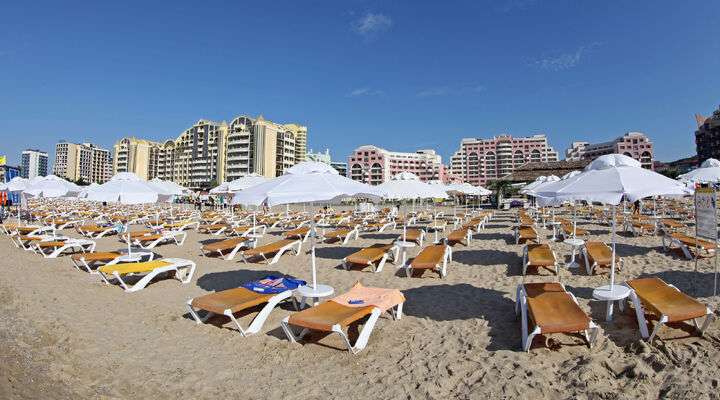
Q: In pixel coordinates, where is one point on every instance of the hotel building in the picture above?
(210, 152)
(34, 163)
(84, 161)
(707, 136)
(632, 144)
(479, 161)
(374, 165)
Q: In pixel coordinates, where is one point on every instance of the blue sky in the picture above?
(399, 74)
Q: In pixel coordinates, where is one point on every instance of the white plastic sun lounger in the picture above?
(228, 302)
(183, 271)
(278, 248)
(74, 245)
(333, 317)
(161, 238)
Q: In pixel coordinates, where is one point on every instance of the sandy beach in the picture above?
(64, 334)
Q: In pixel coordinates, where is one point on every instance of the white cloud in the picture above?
(450, 90)
(364, 92)
(564, 61)
(371, 24)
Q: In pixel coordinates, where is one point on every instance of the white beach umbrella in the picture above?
(246, 182)
(709, 172)
(306, 182)
(406, 186)
(51, 186)
(166, 187)
(532, 185)
(83, 194)
(220, 189)
(17, 184)
(608, 179)
(125, 188)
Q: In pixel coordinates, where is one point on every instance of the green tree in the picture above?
(501, 188)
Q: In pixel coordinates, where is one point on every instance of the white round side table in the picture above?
(617, 293)
(314, 293)
(576, 245)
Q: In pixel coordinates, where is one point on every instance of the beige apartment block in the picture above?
(82, 161)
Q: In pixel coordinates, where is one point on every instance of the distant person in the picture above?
(636, 207)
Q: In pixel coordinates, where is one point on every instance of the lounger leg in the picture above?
(639, 314)
(381, 264)
(262, 316)
(661, 322)
(364, 336)
(288, 331)
(194, 314)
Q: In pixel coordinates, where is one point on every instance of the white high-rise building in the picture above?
(34, 163)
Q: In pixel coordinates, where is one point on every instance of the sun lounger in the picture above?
(434, 257)
(458, 235)
(87, 261)
(379, 226)
(539, 255)
(182, 225)
(336, 315)
(246, 230)
(668, 226)
(653, 295)
(53, 248)
(525, 233)
(639, 227)
(342, 235)
(414, 235)
(183, 271)
(150, 241)
(566, 230)
(230, 302)
(97, 232)
(213, 229)
(599, 254)
(551, 309)
(227, 248)
(277, 248)
(692, 247)
(301, 233)
(25, 242)
(376, 254)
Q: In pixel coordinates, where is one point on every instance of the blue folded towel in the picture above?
(272, 284)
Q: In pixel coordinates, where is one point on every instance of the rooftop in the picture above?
(531, 171)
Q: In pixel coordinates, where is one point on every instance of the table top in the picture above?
(618, 292)
(574, 242)
(318, 291)
(401, 243)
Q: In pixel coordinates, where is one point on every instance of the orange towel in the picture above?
(383, 299)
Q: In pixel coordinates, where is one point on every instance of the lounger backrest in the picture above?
(430, 256)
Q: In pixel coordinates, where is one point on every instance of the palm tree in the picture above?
(501, 187)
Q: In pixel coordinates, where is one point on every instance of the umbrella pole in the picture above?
(612, 263)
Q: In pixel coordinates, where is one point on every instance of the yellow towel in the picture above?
(133, 268)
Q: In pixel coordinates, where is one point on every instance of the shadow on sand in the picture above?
(464, 301)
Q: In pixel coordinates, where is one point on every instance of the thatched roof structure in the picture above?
(532, 170)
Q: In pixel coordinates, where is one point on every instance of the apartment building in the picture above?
(34, 163)
(479, 160)
(632, 144)
(82, 161)
(707, 136)
(374, 165)
(212, 152)
(135, 155)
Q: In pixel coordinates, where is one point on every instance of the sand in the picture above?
(64, 334)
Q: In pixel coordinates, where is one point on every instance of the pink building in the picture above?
(374, 165)
(632, 144)
(479, 161)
